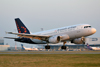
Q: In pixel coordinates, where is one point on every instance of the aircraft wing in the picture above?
(29, 35)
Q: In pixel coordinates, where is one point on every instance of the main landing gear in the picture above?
(47, 47)
(63, 47)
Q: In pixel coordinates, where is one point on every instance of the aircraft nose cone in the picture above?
(93, 30)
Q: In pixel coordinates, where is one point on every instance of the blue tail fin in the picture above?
(22, 47)
(89, 47)
(21, 27)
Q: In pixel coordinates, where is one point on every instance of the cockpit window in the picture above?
(87, 26)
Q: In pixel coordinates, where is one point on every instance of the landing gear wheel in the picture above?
(83, 42)
(63, 47)
(47, 47)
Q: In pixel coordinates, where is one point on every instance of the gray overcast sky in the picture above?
(48, 14)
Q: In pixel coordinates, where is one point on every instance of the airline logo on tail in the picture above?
(21, 27)
(24, 29)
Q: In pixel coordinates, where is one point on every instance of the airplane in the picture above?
(29, 49)
(92, 48)
(75, 33)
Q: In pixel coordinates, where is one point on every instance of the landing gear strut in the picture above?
(63, 47)
(47, 47)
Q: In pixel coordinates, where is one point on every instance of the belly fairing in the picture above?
(39, 41)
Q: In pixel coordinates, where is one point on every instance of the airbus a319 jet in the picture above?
(75, 33)
(28, 49)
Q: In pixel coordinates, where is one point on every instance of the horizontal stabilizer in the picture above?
(12, 38)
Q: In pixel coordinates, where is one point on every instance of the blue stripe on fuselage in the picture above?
(25, 40)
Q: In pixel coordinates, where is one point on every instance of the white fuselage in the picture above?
(95, 48)
(30, 49)
(67, 33)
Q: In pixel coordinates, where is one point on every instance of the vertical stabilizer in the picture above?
(89, 47)
(21, 27)
(22, 47)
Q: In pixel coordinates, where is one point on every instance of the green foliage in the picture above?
(50, 60)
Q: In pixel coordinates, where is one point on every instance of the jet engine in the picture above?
(79, 41)
(54, 39)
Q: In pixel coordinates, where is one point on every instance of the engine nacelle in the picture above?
(79, 41)
(64, 37)
(54, 39)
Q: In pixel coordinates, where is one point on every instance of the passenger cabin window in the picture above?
(87, 26)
